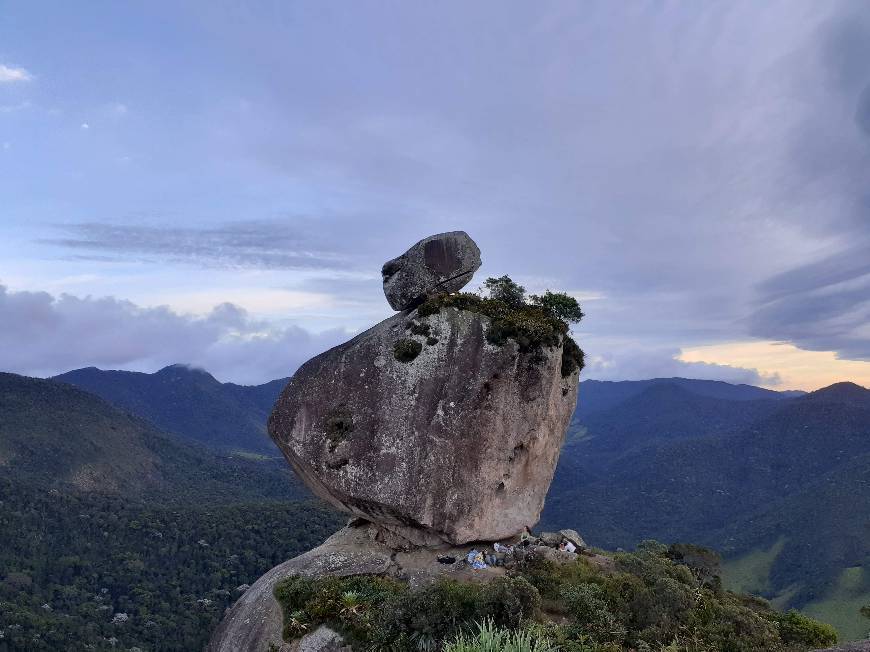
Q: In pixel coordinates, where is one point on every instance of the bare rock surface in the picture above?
(440, 263)
(421, 425)
(322, 639)
(857, 646)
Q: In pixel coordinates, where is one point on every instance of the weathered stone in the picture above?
(552, 539)
(322, 639)
(457, 444)
(255, 621)
(553, 554)
(573, 537)
(857, 646)
(440, 263)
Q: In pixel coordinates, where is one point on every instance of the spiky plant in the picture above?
(489, 638)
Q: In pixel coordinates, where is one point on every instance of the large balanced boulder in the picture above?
(440, 263)
(422, 425)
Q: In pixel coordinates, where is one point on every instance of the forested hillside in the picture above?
(116, 535)
(777, 486)
(189, 402)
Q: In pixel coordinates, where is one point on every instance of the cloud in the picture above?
(823, 303)
(297, 244)
(42, 335)
(821, 306)
(10, 74)
(84, 126)
(640, 364)
(700, 168)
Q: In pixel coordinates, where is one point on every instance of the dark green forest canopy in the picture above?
(70, 563)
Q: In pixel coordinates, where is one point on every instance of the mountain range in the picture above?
(189, 402)
(779, 482)
(115, 534)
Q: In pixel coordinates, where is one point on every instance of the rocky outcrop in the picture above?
(434, 428)
(857, 646)
(440, 263)
(322, 639)
(423, 426)
(255, 621)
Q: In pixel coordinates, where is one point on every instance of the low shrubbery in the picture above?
(489, 638)
(540, 321)
(647, 601)
(379, 614)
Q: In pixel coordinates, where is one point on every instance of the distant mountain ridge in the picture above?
(55, 435)
(782, 479)
(598, 395)
(189, 402)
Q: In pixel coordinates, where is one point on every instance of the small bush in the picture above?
(795, 628)
(504, 289)
(406, 350)
(560, 305)
(533, 326)
(648, 602)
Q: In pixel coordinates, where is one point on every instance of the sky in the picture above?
(218, 183)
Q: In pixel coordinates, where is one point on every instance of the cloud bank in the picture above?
(43, 335)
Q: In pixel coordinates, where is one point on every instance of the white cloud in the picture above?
(9, 74)
(37, 329)
(85, 126)
(640, 364)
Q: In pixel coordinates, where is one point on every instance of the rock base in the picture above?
(255, 621)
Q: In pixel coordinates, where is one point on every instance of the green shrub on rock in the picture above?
(533, 326)
(645, 601)
(406, 349)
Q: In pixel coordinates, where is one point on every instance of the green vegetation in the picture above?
(489, 638)
(406, 349)
(191, 403)
(657, 598)
(504, 289)
(565, 307)
(70, 562)
(543, 322)
(750, 573)
(101, 514)
(676, 465)
(841, 604)
(339, 425)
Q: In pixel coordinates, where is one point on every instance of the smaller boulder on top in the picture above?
(440, 263)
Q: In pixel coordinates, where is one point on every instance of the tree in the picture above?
(505, 290)
(865, 611)
(561, 305)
